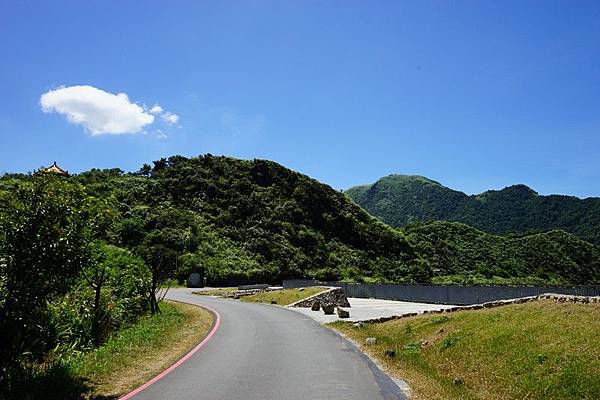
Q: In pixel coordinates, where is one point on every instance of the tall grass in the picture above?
(539, 350)
(125, 355)
(124, 347)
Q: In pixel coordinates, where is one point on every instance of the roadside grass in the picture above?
(283, 297)
(216, 291)
(137, 354)
(537, 350)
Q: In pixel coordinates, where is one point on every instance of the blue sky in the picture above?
(474, 94)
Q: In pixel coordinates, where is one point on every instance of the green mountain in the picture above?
(402, 199)
(459, 253)
(256, 220)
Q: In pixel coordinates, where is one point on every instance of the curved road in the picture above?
(267, 353)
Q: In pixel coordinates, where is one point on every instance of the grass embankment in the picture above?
(283, 297)
(538, 350)
(217, 291)
(139, 353)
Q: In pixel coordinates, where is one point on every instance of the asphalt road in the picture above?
(267, 353)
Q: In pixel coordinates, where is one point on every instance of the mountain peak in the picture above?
(404, 199)
(409, 178)
(518, 191)
(519, 188)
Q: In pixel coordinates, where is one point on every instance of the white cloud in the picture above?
(170, 118)
(156, 109)
(99, 112)
(167, 116)
(161, 135)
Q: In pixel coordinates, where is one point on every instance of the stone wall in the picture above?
(335, 296)
(445, 294)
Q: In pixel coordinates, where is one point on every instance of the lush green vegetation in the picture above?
(283, 297)
(84, 257)
(251, 221)
(258, 221)
(138, 353)
(66, 281)
(538, 350)
(240, 220)
(400, 200)
(458, 253)
(127, 359)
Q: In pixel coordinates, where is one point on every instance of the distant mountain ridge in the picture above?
(400, 200)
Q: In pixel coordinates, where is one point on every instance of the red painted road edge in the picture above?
(182, 359)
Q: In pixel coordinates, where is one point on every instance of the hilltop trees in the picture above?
(284, 222)
(252, 220)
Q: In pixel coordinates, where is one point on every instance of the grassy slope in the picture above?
(137, 354)
(539, 350)
(283, 297)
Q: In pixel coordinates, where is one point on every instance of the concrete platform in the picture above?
(366, 309)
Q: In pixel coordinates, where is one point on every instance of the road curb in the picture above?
(188, 355)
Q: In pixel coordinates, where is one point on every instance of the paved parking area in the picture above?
(366, 309)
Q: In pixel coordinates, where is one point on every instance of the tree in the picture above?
(170, 233)
(145, 170)
(46, 226)
(116, 274)
(160, 260)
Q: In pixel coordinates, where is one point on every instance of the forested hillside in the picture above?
(458, 253)
(255, 220)
(401, 199)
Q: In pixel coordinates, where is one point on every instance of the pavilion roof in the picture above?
(55, 169)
